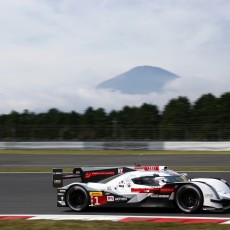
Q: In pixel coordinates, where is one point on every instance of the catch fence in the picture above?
(115, 133)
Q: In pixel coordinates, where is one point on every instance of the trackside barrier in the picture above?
(126, 145)
(42, 145)
(121, 145)
(193, 145)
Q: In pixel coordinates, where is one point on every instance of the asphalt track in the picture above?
(72, 160)
(32, 193)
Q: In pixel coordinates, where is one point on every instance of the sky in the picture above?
(55, 52)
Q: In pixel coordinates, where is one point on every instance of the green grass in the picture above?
(102, 225)
(109, 152)
(179, 169)
(48, 170)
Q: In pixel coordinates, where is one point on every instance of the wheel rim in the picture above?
(77, 199)
(189, 199)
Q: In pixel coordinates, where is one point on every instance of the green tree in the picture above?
(101, 124)
(113, 124)
(223, 117)
(9, 128)
(176, 119)
(86, 125)
(133, 123)
(24, 125)
(71, 124)
(204, 118)
(148, 121)
(127, 123)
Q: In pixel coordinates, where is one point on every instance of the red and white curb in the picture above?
(151, 219)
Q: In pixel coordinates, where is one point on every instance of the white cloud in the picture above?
(54, 52)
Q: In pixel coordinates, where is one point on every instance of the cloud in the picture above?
(79, 98)
(54, 52)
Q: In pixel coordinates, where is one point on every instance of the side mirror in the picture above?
(185, 175)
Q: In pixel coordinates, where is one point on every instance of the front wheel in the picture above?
(189, 198)
(77, 198)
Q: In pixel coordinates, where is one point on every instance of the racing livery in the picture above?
(139, 186)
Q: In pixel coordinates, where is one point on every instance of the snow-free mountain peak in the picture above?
(140, 80)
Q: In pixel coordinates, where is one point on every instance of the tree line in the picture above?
(208, 118)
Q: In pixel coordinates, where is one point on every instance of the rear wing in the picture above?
(96, 174)
(87, 174)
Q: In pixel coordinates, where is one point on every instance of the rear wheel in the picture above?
(77, 198)
(189, 198)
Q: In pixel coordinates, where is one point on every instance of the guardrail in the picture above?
(121, 145)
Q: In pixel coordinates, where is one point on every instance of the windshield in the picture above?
(173, 179)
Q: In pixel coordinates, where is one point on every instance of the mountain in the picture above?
(140, 80)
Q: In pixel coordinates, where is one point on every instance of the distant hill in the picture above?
(140, 80)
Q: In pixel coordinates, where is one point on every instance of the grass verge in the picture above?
(101, 225)
(108, 152)
(179, 169)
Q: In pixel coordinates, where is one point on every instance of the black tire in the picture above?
(189, 198)
(77, 198)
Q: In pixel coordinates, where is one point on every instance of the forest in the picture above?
(206, 119)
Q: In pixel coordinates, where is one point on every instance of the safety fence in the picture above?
(116, 132)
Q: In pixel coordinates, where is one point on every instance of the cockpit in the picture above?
(155, 180)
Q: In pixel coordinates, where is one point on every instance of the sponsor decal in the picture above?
(67, 176)
(121, 184)
(208, 195)
(167, 190)
(208, 208)
(121, 199)
(60, 194)
(154, 195)
(110, 198)
(87, 175)
(147, 168)
(154, 190)
(95, 193)
(98, 200)
(120, 171)
(93, 174)
(159, 196)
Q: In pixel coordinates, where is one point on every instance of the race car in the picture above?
(139, 186)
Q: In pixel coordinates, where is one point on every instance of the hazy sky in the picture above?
(54, 52)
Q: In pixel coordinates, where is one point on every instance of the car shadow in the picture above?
(126, 210)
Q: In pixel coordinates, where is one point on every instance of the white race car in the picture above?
(140, 186)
